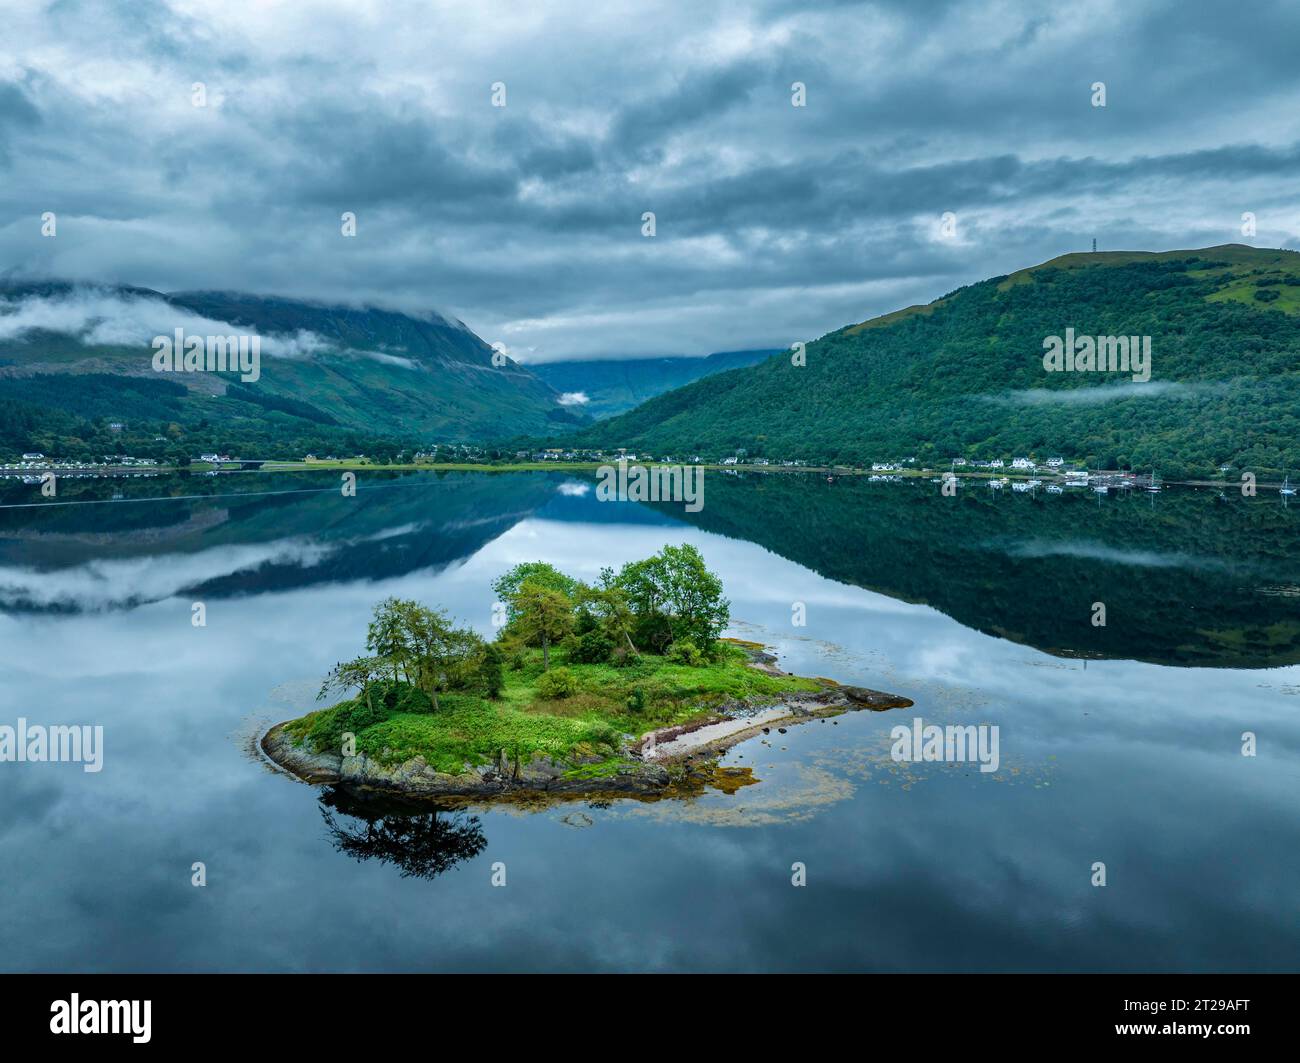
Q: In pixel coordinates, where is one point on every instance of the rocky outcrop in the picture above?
(317, 768)
(499, 778)
(877, 701)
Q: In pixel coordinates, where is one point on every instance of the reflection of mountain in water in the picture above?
(418, 841)
(250, 534)
(1186, 578)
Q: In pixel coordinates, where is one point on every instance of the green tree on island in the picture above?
(668, 598)
(608, 611)
(348, 675)
(507, 586)
(545, 616)
(676, 597)
(386, 638)
(491, 671)
(444, 654)
(415, 645)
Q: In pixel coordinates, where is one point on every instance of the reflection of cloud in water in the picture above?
(1088, 551)
(394, 533)
(121, 583)
(299, 695)
(100, 585)
(574, 489)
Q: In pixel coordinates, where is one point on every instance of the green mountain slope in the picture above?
(612, 386)
(964, 376)
(74, 359)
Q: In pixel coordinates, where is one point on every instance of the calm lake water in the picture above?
(1120, 744)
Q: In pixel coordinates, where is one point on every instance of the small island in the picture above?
(621, 688)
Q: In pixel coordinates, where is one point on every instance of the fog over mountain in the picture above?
(95, 352)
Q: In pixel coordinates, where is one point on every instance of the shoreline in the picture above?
(272, 466)
(665, 762)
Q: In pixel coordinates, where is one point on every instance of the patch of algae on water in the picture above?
(790, 791)
(865, 763)
(800, 797)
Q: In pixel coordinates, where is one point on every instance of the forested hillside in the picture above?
(964, 376)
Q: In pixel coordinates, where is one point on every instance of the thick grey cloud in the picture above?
(774, 223)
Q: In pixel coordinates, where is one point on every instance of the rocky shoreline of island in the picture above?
(651, 765)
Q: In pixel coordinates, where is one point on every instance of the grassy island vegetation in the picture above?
(577, 673)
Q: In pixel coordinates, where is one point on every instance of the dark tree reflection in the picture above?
(419, 841)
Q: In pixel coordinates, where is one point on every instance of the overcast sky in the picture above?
(774, 223)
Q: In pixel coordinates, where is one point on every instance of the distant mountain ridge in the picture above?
(964, 375)
(77, 351)
(610, 386)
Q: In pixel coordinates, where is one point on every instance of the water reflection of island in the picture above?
(419, 841)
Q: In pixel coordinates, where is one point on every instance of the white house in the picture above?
(1021, 463)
